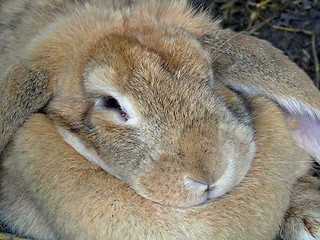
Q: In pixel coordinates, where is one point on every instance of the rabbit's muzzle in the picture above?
(175, 186)
(199, 171)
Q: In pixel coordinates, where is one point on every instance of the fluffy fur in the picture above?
(74, 199)
(151, 126)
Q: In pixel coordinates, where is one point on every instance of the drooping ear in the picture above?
(23, 91)
(254, 67)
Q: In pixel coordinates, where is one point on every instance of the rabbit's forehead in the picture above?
(127, 65)
(156, 88)
(155, 98)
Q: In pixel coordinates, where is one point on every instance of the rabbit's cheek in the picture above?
(240, 150)
(77, 144)
(231, 177)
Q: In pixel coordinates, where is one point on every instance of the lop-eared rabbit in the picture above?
(146, 120)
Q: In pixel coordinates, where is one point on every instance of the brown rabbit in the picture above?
(154, 126)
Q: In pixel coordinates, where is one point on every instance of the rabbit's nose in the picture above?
(204, 185)
(197, 186)
(208, 191)
(204, 191)
(199, 190)
(205, 177)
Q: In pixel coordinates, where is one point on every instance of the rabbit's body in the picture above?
(80, 201)
(144, 131)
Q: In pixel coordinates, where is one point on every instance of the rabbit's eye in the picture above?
(111, 102)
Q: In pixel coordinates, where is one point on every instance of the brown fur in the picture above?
(178, 121)
(304, 211)
(95, 205)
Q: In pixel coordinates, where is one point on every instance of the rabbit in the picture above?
(146, 120)
(53, 192)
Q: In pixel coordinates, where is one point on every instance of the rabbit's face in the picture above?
(150, 112)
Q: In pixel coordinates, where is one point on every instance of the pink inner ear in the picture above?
(308, 134)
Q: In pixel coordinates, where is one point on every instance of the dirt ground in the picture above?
(291, 25)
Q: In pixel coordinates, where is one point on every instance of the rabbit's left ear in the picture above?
(23, 91)
(254, 67)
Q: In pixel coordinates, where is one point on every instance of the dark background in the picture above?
(299, 37)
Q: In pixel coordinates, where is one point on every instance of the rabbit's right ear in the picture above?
(23, 91)
(254, 67)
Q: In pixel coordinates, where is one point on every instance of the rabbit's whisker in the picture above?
(272, 162)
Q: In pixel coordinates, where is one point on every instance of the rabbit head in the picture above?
(156, 98)
(145, 120)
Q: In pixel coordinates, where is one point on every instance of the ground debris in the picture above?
(291, 25)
